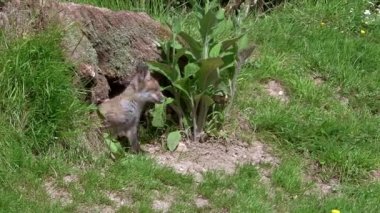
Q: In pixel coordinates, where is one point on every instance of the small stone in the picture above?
(182, 147)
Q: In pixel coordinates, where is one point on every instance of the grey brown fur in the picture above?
(122, 113)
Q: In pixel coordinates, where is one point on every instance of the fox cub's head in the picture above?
(146, 86)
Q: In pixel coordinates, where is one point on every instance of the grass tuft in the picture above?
(38, 99)
(40, 110)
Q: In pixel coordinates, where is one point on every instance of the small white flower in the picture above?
(367, 12)
(351, 10)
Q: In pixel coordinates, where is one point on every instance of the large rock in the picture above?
(104, 45)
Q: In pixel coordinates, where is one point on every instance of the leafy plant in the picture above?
(173, 140)
(207, 74)
(159, 113)
(114, 146)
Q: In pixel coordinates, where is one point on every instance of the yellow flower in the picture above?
(335, 211)
(362, 32)
(323, 23)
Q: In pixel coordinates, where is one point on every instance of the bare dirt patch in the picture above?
(201, 202)
(325, 188)
(119, 198)
(57, 193)
(163, 202)
(276, 89)
(202, 157)
(318, 79)
(319, 187)
(322, 188)
(70, 179)
(161, 205)
(375, 175)
(96, 208)
(341, 98)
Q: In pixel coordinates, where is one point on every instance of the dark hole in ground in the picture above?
(117, 86)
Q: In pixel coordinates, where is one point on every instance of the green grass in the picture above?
(342, 138)
(42, 119)
(156, 8)
(241, 192)
(40, 113)
(37, 97)
(289, 176)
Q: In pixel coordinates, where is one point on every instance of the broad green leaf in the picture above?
(119, 148)
(185, 89)
(109, 142)
(165, 46)
(231, 51)
(173, 140)
(179, 53)
(169, 72)
(207, 24)
(208, 101)
(228, 62)
(243, 42)
(220, 14)
(208, 73)
(191, 69)
(227, 72)
(182, 85)
(190, 56)
(191, 44)
(203, 104)
(230, 42)
(159, 113)
(113, 147)
(215, 50)
(222, 88)
(176, 45)
(209, 5)
(176, 26)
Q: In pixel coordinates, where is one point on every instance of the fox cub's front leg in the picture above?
(132, 137)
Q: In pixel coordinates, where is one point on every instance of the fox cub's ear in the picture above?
(142, 71)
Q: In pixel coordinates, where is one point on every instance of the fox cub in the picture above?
(122, 113)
